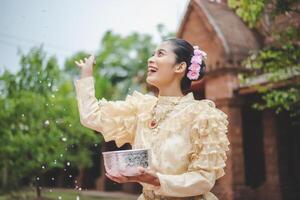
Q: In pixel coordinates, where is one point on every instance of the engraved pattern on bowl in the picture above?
(126, 161)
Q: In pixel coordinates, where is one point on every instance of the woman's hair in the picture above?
(184, 52)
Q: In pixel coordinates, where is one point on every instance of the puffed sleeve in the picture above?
(207, 156)
(116, 120)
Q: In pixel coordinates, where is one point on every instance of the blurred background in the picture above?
(253, 75)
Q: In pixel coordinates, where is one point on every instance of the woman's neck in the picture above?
(170, 90)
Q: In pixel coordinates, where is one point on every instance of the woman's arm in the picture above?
(116, 120)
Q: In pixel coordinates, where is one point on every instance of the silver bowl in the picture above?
(125, 162)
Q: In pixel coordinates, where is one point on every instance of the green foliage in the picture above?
(278, 62)
(123, 60)
(40, 128)
(249, 10)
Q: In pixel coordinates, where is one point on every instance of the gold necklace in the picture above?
(153, 124)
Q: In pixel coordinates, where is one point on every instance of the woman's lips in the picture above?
(152, 69)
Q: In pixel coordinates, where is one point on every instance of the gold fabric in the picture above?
(188, 152)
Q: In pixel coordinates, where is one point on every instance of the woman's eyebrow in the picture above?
(162, 50)
(159, 50)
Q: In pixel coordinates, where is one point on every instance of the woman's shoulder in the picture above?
(206, 102)
(206, 108)
(144, 96)
(140, 100)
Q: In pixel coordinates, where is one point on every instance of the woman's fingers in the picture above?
(146, 176)
(86, 62)
(113, 178)
(79, 64)
(119, 178)
(91, 59)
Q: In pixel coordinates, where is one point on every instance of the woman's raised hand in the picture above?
(86, 66)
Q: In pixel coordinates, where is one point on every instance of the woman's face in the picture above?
(161, 70)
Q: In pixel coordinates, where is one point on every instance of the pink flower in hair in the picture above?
(194, 67)
(193, 75)
(196, 59)
(198, 52)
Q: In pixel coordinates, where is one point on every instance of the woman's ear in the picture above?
(180, 68)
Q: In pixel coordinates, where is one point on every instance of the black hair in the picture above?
(184, 52)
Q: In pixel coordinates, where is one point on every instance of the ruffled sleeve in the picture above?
(116, 120)
(207, 156)
(209, 139)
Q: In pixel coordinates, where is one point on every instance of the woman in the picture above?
(187, 137)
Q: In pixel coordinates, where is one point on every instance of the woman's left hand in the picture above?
(146, 176)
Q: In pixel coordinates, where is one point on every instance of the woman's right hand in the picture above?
(86, 66)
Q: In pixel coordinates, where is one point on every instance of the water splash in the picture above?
(47, 123)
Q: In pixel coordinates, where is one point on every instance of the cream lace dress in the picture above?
(187, 152)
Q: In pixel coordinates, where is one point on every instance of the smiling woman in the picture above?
(186, 137)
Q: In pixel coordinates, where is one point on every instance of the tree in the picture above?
(40, 128)
(278, 60)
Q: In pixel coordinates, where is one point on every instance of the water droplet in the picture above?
(68, 163)
(37, 178)
(64, 139)
(52, 178)
(70, 176)
(46, 122)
